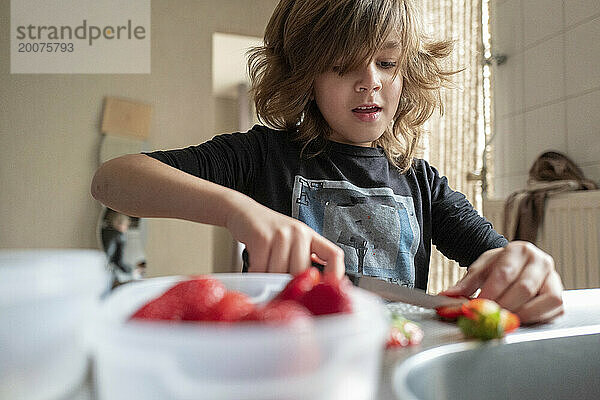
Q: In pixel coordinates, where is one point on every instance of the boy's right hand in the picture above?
(278, 243)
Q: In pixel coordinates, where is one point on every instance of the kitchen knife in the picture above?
(394, 292)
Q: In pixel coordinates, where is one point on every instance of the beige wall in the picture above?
(49, 132)
(226, 120)
(548, 91)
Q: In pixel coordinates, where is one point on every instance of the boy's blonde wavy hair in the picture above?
(304, 38)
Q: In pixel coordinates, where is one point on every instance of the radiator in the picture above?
(570, 233)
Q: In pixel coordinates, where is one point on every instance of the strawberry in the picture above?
(328, 297)
(479, 307)
(199, 295)
(485, 319)
(450, 313)
(161, 309)
(403, 333)
(234, 306)
(300, 285)
(188, 300)
(509, 321)
(281, 311)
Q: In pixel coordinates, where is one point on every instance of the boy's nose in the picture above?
(368, 79)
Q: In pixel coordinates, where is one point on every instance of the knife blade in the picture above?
(394, 292)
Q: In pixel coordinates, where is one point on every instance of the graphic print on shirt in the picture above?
(377, 229)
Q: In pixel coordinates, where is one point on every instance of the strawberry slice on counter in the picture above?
(450, 313)
(509, 321)
(403, 333)
(485, 319)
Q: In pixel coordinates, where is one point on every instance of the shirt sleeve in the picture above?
(458, 230)
(230, 160)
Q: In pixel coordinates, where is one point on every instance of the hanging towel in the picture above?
(551, 173)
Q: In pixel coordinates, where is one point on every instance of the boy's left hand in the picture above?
(520, 277)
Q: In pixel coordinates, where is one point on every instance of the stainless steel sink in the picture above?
(554, 368)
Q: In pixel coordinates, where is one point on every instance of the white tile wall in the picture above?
(544, 130)
(508, 81)
(591, 171)
(583, 127)
(500, 142)
(510, 141)
(578, 10)
(582, 53)
(508, 36)
(543, 77)
(547, 94)
(541, 19)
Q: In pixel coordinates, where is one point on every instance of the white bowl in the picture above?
(46, 295)
(337, 357)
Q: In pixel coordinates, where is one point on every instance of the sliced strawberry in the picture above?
(485, 319)
(234, 306)
(300, 285)
(397, 338)
(281, 311)
(509, 321)
(328, 297)
(403, 333)
(450, 313)
(479, 307)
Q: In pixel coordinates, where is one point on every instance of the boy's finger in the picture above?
(475, 277)
(258, 258)
(315, 258)
(330, 253)
(299, 257)
(548, 305)
(279, 259)
(526, 286)
(504, 270)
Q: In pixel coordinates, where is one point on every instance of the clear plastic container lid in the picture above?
(34, 274)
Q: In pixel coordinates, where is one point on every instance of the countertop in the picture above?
(582, 315)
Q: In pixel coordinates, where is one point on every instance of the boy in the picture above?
(345, 87)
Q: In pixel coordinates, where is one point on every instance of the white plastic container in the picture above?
(45, 298)
(336, 357)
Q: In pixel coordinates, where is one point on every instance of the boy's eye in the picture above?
(386, 64)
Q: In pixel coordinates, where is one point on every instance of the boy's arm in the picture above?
(519, 276)
(141, 186)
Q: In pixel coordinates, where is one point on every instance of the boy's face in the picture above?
(359, 105)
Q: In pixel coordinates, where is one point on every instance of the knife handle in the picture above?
(246, 263)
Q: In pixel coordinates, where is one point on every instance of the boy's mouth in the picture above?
(367, 112)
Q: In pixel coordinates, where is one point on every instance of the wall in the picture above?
(547, 93)
(49, 131)
(226, 120)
